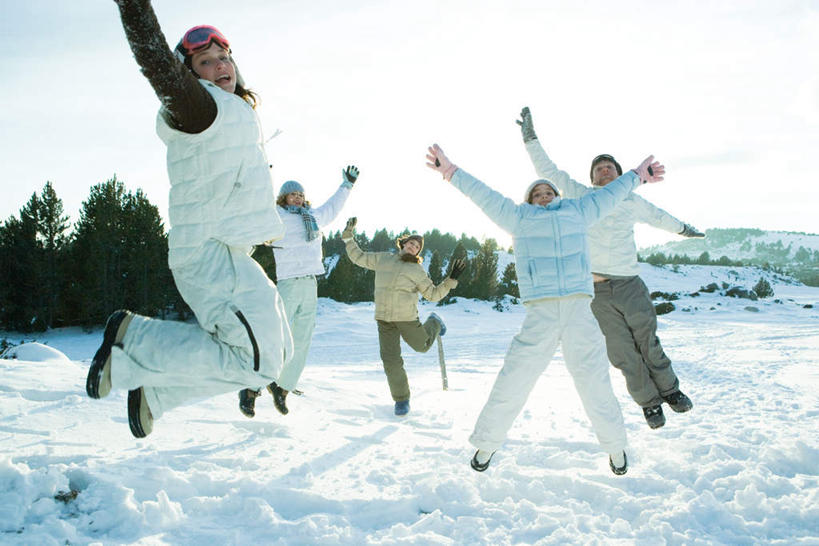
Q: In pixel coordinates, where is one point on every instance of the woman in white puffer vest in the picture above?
(298, 261)
(221, 204)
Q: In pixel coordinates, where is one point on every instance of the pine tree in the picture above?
(51, 228)
(464, 288)
(485, 280)
(509, 281)
(145, 256)
(18, 270)
(119, 256)
(435, 269)
(31, 271)
(340, 282)
(265, 257)
(383, 241)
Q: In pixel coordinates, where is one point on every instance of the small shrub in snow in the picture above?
(664, 295)
(739, 292)
(664, 308)
(763, 288)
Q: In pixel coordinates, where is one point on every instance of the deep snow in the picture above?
(741, 468)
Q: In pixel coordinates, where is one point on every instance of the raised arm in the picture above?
(500, 209)
(648, 213)
(367, 260)
(544, 166)
(186, 105)
(328, 212)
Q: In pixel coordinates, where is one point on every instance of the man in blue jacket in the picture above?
(552, 263)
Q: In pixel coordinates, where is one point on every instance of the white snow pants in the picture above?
(568, 321)
(241, 340)
(300, 301)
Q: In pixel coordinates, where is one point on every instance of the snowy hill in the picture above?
(741, 468)
(792, 252)
(749, 245)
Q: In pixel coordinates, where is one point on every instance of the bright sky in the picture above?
(725, 93)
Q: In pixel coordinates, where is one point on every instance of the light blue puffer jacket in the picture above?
(551, 251)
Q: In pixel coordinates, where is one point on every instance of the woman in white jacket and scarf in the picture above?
(552, 263)
(221, 204)
(299, 260)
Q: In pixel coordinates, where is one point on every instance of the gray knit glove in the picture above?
(527, 129)
(690, 231)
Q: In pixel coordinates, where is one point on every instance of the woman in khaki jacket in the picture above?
(399, 278)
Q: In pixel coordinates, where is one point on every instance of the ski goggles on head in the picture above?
(200, 37)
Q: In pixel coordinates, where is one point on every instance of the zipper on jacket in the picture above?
(246, 324)
(560, 264)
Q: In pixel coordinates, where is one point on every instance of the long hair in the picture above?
(247, 95)
(282, 199)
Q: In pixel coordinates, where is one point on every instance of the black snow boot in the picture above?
(247, 402)
(480, 466)
(654, 416)
(678, 401)
(279, 396)
(139, 414)
(98, 382)
(619, 470)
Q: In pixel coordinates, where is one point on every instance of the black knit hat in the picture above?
(604, 157)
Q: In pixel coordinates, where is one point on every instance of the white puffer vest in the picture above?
(221, 186)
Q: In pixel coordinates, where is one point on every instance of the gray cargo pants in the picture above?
(625, 313)
(418, 336)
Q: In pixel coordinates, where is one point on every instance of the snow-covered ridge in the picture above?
(748, 245)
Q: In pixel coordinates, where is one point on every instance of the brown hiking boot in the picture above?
(247, 402)
(279, 396)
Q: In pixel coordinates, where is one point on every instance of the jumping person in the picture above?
(551, 259)
(221, 204)
(399, 278)
(298, 261)
(622, 304)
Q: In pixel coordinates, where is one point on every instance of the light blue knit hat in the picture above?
(289, 187)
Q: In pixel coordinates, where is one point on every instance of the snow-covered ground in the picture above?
(741, 468)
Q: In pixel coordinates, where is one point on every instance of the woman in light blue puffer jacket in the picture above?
(552, 263)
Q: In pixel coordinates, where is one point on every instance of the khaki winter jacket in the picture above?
(397, 283)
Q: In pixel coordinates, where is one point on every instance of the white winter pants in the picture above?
(241, 340)
(300, 302)
(568, 321)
